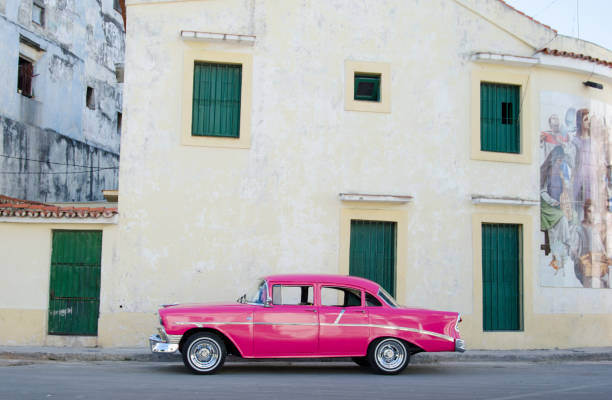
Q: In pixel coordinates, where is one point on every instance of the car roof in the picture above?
(325, 278)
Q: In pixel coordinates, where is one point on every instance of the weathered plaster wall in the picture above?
(25, 287)
(51, 167)
(198, 223)
(82, 42)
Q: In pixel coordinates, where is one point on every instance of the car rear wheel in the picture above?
(204, 353)
(388, 356)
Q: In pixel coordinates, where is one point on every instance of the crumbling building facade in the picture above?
(61, 108)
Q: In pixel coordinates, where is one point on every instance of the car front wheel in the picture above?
(388, 356)
(204, 353)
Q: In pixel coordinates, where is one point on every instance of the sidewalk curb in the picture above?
(142, 355)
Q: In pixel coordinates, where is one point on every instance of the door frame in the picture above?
(391, 213)
(501, 338)
(49, 293)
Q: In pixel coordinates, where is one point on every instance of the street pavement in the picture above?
(143, 354)
(44, 379)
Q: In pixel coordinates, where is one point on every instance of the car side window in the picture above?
(335, 296)
(372, 301)
(292, 295)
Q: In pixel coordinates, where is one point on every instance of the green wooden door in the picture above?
(501, 277)
(74, 295)
(373, 252)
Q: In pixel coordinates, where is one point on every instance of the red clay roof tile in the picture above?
(560, 53)
(13, 207)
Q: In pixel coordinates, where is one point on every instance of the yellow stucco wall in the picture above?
(24, 290)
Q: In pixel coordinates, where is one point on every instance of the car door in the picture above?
(343, 321)
(289, 325)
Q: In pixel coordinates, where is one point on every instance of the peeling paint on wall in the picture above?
(43, 165)
(79, 45)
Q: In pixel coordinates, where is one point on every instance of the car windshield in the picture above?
(387, 298)
(256, 294)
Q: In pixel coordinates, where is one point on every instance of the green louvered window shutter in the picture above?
(74, 293)
(501, 277)
(216, 100)
(499, 118)
(373, 252)
(367, 87)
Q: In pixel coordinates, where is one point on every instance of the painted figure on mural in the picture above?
(555, 208)
(584, 176)
(575, 192)
(591, 263)
(554, 136)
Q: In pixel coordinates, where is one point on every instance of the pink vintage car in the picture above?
(306, 316)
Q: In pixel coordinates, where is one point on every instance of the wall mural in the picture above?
(575, 191)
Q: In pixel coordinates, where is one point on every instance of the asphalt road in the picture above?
(165, 380)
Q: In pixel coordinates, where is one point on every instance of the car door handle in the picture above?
(311, 309)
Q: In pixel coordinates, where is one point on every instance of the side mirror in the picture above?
(268, 303)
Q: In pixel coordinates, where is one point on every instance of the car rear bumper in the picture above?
(459, 345)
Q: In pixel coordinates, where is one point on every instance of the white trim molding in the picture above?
(232, 37)
(375, 198)
(501, 200)
(506, 59)
(545, 60)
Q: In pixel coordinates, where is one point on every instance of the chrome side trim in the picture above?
(398, 328)
(287, 323)
(201, 324)
(339, 316)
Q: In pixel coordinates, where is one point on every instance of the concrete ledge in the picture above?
(142, 354)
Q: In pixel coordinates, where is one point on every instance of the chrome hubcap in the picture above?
(204, 354)
(390, 355)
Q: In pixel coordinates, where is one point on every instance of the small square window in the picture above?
(25, 73)
(367, 87)
(90, 99)
(38, 14)
(499, 118)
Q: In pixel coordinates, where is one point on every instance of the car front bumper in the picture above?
(459, 345)
(159, 343)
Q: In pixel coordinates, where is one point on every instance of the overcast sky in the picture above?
(585, 19)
